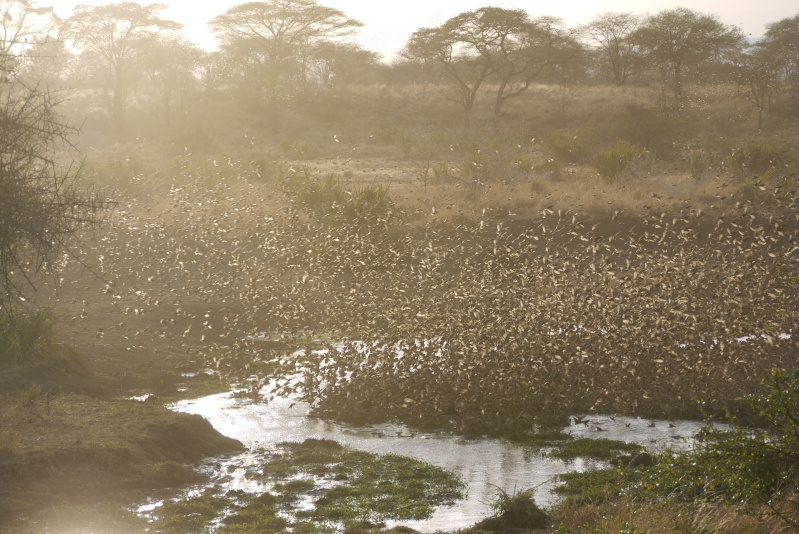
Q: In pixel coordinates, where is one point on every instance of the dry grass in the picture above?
(10, 440)
(88, 455)
(664, 518)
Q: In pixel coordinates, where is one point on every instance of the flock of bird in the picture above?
(483, 322)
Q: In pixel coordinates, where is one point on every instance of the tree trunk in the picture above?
(119, 100)
(468, 104)
(499, 100)
(167, 99)
(677, 87)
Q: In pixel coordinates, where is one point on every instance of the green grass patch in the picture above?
(190, 515)
(594, 487)
(167, 475)
(255, 516)
(375, 488)
(347, 487)
(598, 449)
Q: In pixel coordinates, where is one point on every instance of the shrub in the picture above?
(22, 336)
(567, 145)
(407, 144)
(652, 129)
(701, 162)
(327, 198)
(442, 174)
(386, 133)
(757, 467)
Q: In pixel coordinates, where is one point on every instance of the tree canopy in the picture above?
(680, 39)
(116, 34)
(277, 36)
(475, 46)
(611, 33)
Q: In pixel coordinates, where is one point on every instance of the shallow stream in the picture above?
(486, 465)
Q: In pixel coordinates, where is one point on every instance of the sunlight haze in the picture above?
(387, 25)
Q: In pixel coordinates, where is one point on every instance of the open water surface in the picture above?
(486, 465)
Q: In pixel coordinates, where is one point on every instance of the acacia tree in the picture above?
(272, 40)
(758, 77)
(611, 33)
(439, 48)
(490, 42)
(517, 48)
(782, 41)
(170, 62)
(115, 35)
(678, 40)
(781, 45)
(334, 63)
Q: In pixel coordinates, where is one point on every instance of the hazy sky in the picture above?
(388, 24)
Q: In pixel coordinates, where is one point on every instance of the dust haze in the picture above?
(514, 222)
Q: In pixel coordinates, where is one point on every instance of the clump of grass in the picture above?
(27, 398)
(280, 467)
(386, 133)
(442, 174)
(613, 162)
(407, 144)
(701, 162)
(255, 516)
(190, 515)
(330, 200)
(596, 486)
(516, 510)
(292, 489)
(367, 487)
(757, 157)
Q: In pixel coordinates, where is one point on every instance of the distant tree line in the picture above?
(275, 51)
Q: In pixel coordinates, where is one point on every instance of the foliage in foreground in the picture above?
(41, 208)
(751, 471)
(26, 335)
(757, 467)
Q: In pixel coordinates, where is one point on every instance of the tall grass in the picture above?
(611, 163)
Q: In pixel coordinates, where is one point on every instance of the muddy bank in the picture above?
(79, 466)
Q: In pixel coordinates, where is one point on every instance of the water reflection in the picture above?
(485, 465)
